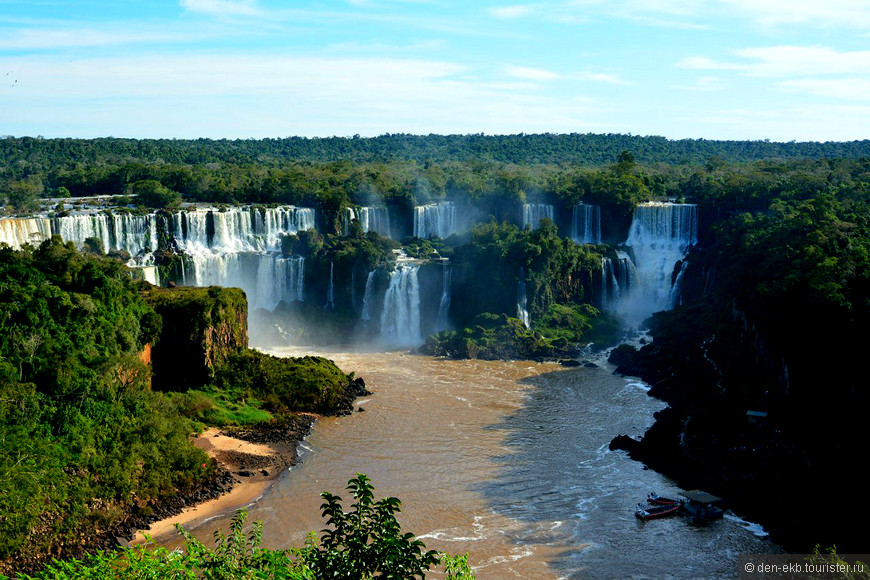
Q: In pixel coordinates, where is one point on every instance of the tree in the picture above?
(22, 195)
(151, 193)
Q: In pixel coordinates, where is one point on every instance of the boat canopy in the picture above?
(701, 497)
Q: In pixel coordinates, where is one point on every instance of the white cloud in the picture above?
(761, 14)
(510, 12)
(532, 74)
(262, 95)
(91, 36)
(704, 84)
(776, 61)
(600, 78)
(817, 13)
(850, 88)
(222, 8)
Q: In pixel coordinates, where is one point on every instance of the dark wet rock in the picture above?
(624, 443)
(569, 363)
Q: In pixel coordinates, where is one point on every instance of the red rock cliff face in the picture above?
(145, 355)
(201, 328)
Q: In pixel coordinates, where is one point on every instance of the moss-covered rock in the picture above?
(202, 328)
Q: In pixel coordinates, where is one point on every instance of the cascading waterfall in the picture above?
(236, 247)
(617, 279)
(400, 320)
(239, 229)
(135, 234)
(660, 235)
(278, 279)
(586, 224)
(435, 220)
(522, 301)
(16, 232)
(674, 296)
(367, 297)
(442, 321)
(330, 292)
(533, 213)
(239, 247)
(372, 219)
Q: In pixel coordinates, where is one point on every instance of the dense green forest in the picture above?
(588, 148)
(87, 444)
(490, 171)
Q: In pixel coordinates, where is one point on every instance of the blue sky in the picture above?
(717, 69)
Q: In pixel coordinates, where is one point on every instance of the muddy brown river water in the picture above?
(507, 461)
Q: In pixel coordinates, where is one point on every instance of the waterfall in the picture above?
(674, 296)
(435, 220)
(617, 279)
(151, 275)
(586, 224)
(400, 320)
(372, 219)
(347, 218)
(330, 292)
(522, 306)
(367, 297)
(239, 247)
(660, 235)
(134, 234)
(278, 279)
(239, 229)
(533, 213)
(442, 322)
(17, 232)
(610, 291)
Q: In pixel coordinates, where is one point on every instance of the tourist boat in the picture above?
(657, 499)
(648, 512)
(701, 506)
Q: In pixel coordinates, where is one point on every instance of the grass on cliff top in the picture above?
(202, 298)
(214, 407)
(252, 386)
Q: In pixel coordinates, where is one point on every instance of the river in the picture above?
(507, 461)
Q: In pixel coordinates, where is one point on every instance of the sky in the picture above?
(716, 69)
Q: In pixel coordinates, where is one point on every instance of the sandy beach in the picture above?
(254, 467)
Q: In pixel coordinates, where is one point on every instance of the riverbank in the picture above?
(253, 457)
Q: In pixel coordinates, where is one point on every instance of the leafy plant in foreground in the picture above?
(367, 540)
